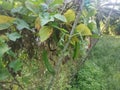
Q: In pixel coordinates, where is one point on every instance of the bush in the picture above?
(88, 78)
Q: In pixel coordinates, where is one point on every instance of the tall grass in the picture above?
(102, 69)
(106, 55)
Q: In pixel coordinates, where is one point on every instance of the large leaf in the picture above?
(83, 30)
(20, 10)
(5, 22)
(7, 5)
(45, 32)
(47, 63)
(4, 74)
(91, 11)
(31, 7)
(21, 24)
(70, 15)
(44, 7)
(3, 48)
(4, 26)
(46, 18)
(16, 65)
(5, 19)
(14, 36)
(60, 17)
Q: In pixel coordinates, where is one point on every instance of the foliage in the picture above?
(34, 33)
(102, 69)
(88, 78)
(110, 60)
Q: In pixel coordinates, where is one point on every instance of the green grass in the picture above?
(102, 69)
(106, 55)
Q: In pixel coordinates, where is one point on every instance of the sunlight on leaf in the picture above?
(58, 1)
(74, 39)
(83, 29)
(45, 32)
(46, 18)
(60, 17)
(70, 15)
(7, 5)
(5, 19)
(5, 22)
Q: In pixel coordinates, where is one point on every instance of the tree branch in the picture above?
(57, 67)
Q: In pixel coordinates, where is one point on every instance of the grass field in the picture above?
(102, 69)
(106, 55)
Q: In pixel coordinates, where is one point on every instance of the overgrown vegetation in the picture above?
(42, 42)
(101, 71)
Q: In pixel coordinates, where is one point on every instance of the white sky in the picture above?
(118, 1)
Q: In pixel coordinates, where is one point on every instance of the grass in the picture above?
(106, 55)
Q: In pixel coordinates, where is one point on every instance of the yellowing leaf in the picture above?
(83, 30)
(70, 15)
(45, 32)
(5, 19)
(37, 23)
(74, 39)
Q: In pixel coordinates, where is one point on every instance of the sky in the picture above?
(118, 1)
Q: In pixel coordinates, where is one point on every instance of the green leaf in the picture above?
(60, 17)
(7, 5)
(3, 38)
(46, 18)
(91, 25)
(83, 30)
(21, 24)
(61, 29)
(92, 11)
(58, 1)
(3, 48)
(4, 26)
(20, 10)
(14, 36)
(45, 32)
(47, 63)
(4, 74)
(31, 7)
(70, 15)
(76, 50)
(16, 65)
(5, 22)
